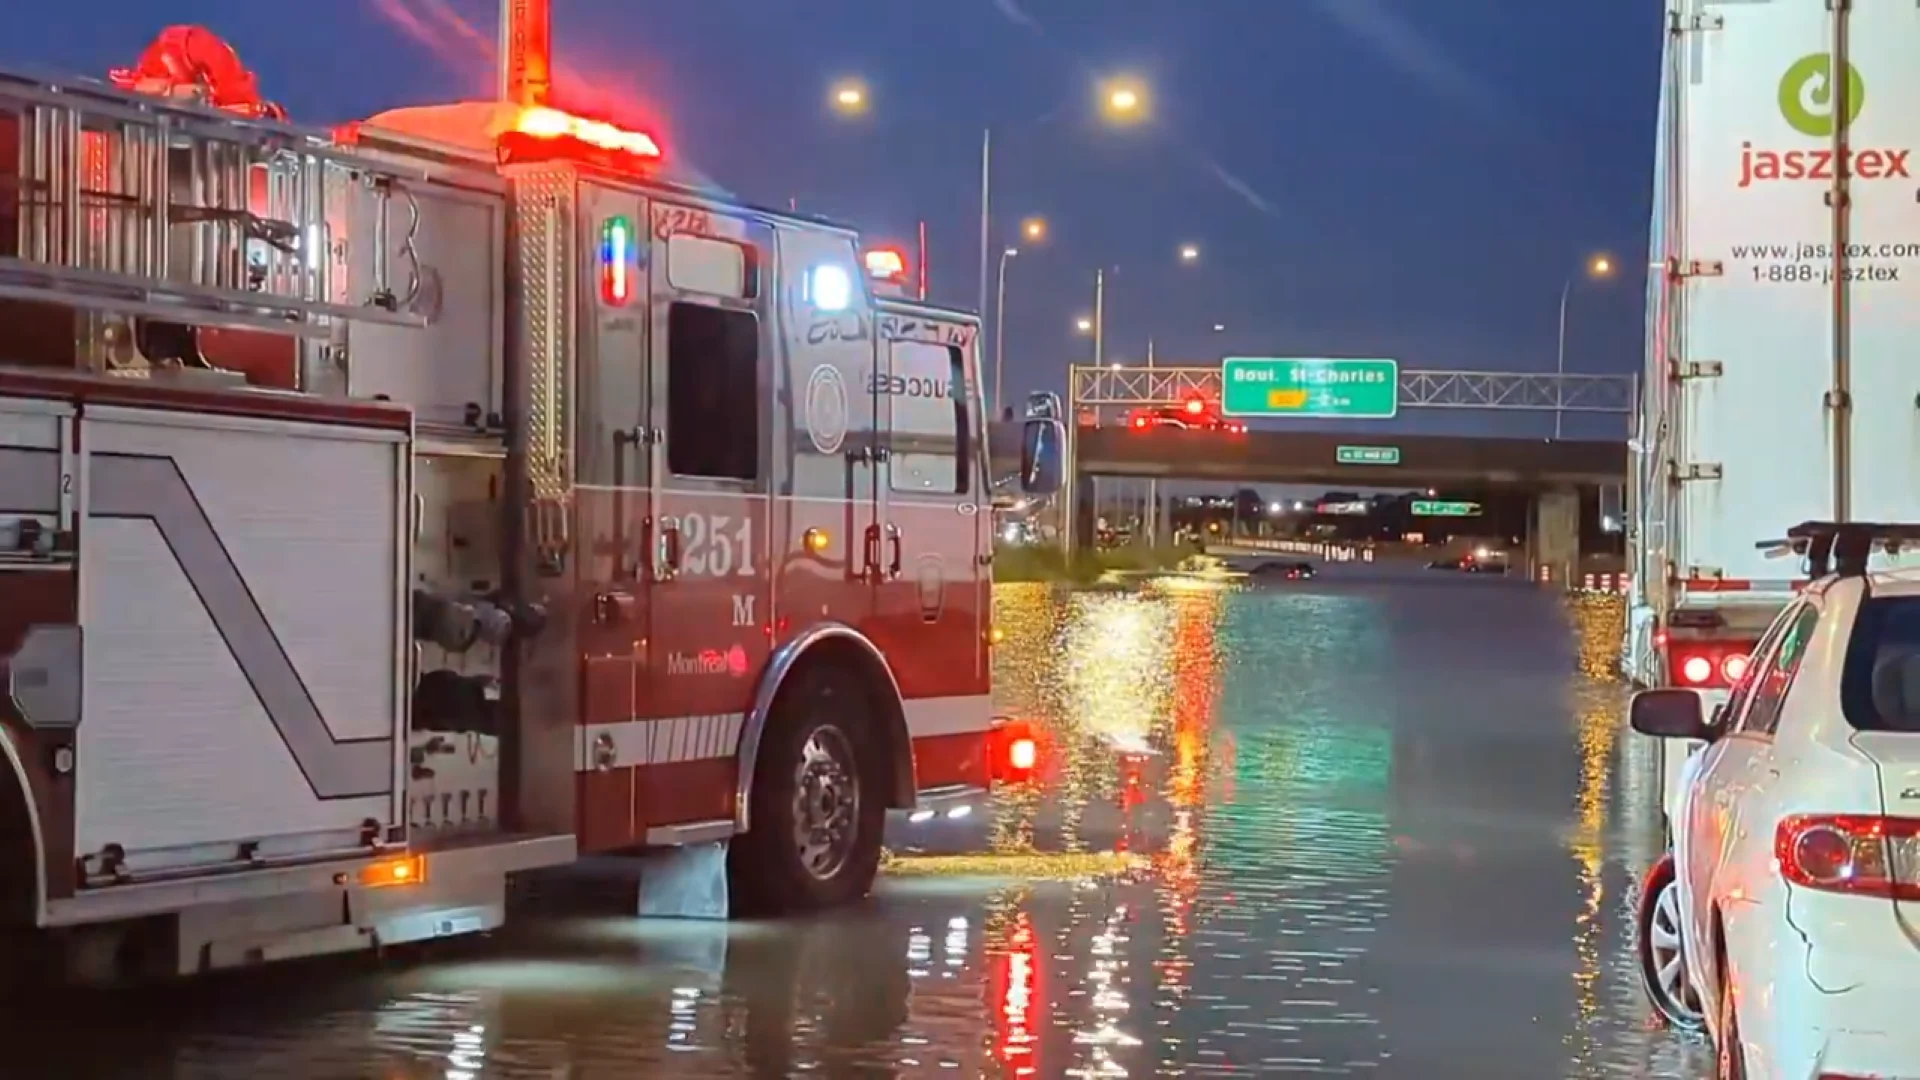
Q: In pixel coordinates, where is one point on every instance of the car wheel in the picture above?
(1661, 949)
(818, 816)
(1731, 1056)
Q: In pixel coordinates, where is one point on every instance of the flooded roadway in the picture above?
(1382, 829)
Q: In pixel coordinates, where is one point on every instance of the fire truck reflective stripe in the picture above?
(154, 489)
(931, 717)
(666, 741)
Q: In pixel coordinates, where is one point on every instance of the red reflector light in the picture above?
(1860, 854)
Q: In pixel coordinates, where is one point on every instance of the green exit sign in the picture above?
(1342, 387)
(1367, 455)
(1431, 508)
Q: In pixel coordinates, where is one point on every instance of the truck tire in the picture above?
(818, 810)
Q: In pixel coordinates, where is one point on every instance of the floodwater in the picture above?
(1368, 828)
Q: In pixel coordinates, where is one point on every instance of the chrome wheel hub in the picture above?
(826, 802)
(1664, 946)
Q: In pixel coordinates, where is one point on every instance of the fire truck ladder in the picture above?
(160, 208)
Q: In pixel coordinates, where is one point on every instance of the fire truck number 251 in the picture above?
(716, 545)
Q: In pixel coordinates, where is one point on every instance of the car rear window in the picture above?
(1880, 687)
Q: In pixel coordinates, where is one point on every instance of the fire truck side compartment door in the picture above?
(935, 518)
(615, 438)
(825, 431)
(449, 271)
(715, 342)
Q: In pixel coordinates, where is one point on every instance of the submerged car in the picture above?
(1291, 571)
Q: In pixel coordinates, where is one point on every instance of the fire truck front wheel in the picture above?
(818, 808)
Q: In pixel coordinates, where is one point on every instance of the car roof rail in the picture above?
(1842, 547)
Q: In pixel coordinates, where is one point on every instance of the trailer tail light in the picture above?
(387, 873)
(1708, 665)
(616, 262)
(1859, 854)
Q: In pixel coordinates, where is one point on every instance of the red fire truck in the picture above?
(390, 511)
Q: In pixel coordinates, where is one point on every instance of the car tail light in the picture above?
(1708, 665)
(1861, 854)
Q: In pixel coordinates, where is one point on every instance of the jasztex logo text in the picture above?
(1806, 99)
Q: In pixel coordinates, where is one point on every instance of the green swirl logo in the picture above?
(1806, 95)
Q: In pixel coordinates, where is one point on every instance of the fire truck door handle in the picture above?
(667, 553)
(870, 555)
(893, 563)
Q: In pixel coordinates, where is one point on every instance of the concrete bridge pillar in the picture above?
(1553, 537)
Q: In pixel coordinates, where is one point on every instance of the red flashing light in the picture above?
(616, 262)
(1195, 406)
(543, 134)
(544, 123)
(887, 264)
(1140, 423)
(1014, 752)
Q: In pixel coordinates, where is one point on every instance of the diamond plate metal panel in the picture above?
(542, 217)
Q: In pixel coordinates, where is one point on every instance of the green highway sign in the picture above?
(1430, 508)
(1367, 455)
(1302, 386)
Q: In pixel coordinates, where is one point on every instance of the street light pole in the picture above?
(986, 210)
(1153, 484)
(1099, 318)
(1000, 329)
(1560, 360)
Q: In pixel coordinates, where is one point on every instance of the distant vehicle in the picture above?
(1292, 571)
(1193, 414)
(1782, 919)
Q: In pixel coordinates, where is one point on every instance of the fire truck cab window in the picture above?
(713, 396)
(926, 390)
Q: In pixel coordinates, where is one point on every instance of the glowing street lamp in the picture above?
(1123, 101)
(1596, 268)
(1083, 324)
(849, 97)
(1034, 229)
(1189, 253)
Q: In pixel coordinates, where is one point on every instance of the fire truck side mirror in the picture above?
(1043, 444)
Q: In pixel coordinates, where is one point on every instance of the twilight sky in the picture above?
(1364, 177)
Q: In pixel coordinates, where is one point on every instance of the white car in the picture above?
(1792, 921)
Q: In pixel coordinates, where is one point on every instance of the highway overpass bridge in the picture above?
(1297, 457)
(1553, 470)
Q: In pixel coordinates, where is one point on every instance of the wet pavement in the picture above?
(1375, 828)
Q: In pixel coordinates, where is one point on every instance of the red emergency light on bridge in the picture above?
(1194, 413)
(480, 476)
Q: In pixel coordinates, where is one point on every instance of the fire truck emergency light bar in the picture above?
(541, 133)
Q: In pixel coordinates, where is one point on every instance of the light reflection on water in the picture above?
(1373, 832)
